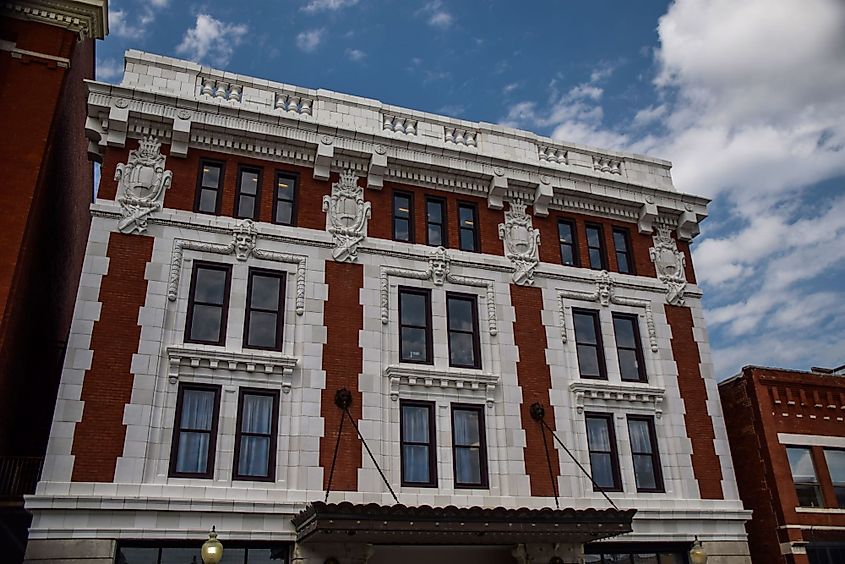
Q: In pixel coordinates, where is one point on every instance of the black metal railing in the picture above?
(19, 475)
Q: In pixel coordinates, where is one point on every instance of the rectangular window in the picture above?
(835, 459)
(469, 448)
(622, 244)
(284, 207)
(414, 326)
(804, 476)
(403, 217)
(467, 227)
(208, 187)
(589, 345)
(435, 218)
(255, 440)
(265, 303)
(595, 245)
(418, 445)
(647, 471)
(604, 460)
(246, 200)
(629, 348)
(462, 322)
(568, 245)
(208, 304)
(195, 431)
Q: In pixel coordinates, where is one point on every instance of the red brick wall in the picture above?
(99, 436)
(705, 462)
(535, 380)
(342, 362)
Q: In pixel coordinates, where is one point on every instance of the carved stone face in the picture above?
(438, 271)
(244, 245)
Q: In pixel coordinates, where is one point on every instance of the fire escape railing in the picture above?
(19, 476)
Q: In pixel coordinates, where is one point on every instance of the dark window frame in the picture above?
(444, 223)
(224, 316)
(294, 178)
(576, 259)
(274, 435)
(596, 317)
(614, 450)
(638, 350)
(280, 319)
(476, 333)
(816, 485)
(221, 180)
(628, 252)
(475, 235)
(660, 487)
(432, 444)
(429, 356)
(256, 209)
(841, 485)
(482, 448)
(177, 430)
(602, 248)
(410, 219)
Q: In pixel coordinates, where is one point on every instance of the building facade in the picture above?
(787, 425)
(333, 328)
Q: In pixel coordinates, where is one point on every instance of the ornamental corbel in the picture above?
(347, 215)
(522, 243)
(378, 168)
(647, 217)
(323, 159)
(669, 263)
(118, 123)
(181, 133)
(498, 189)
(543, 194)
(142, 183)
(687, 228)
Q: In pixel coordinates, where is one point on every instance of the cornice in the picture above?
(88, 18)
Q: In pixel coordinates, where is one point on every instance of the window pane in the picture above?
(801, 464)
(620, 241)
(623, 328)
(460, 314)
(265, 292)
(585, 328)
(401, 206)
(809, 495)
(598, 434)
(467, 466)
(210, 176)
(461, 351)
(208, 201)
(129, 555)
(622, 263)
(246, 206)
(257, 414)
(644, 472)
(467, 216)
(181, 555)
(415, 424)
(267, 555)
(197, 409)
(254, 456)
(249, 182)
(205, 323)
(414, 344)
(466, 428)
(835, 465)
(564, 231)
(401, 229)
(415, 463)
(434, 212)
(413, 308)
(601, 468)
(628, 364)
(284, 212)
(284, 188)
(193, 452)
(262, 329)
(435, 235)
(595, 258)
(588, 361)
(567, 256)
(640, 436)
(467, 240)
(210, 286)
(593, 237)
(840, 496)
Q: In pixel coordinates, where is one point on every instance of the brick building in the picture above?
(292, 295)
(46, 51)
(787, 427)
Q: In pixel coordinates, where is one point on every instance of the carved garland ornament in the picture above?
(142, 182)
(243, 245)
(521, 243)
(346, 216)
(669, 263)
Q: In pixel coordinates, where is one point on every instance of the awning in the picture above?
(399, 524)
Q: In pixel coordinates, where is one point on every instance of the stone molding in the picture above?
(271, 364)
(590, 393)
(87, 18)
(429, 377)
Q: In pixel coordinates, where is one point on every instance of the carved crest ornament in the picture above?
(669, 263)
(142, 182)
(347, 215)
(521, 243)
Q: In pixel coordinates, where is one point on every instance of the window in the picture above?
(604, 460)
(647, 471)
(246, 203)
(208, 191)
(462, 321)
(195, 431)
(568, 246)
(414, 326)
(469, 448)
(255, 441)
(208, 304)
(836, 466)
(417, 438)
(595, 245)
(621, 242)
(403, 217)
(629, 348)
(265, 304)
(435, 218)
(804, 476)
(588, 344)
(467, 227)
(172, 552)
(284, 209)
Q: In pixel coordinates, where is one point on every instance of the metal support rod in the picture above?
(334, 458)
(549, 462)
(373, 458)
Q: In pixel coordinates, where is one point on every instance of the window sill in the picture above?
(193, 360)
(831, 510)
(598, 393)
(460, 380)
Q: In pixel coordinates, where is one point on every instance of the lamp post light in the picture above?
(212, 549)
(697, 555)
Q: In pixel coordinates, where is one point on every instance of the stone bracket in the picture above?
(118, 123)
(181, 133)
(687, 226)
(648, 215)
(378, 168)
(498, 189)
(324, 158)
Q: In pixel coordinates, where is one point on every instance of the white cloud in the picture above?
(508, 88)
(308, 41)
(211, 40)
(128, 25)
(356, 55)
(109, 70)
(436, 15)
(120, 26)
(314, 6)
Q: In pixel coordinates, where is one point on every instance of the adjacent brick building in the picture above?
(788, 429)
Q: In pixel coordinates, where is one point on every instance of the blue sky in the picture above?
(746, 97)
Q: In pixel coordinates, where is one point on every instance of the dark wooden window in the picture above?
(415, 325)
(419, 462)
(403, 217)
(209, 182)
(835, 459)
(246, 199)
(469, 446)
(255, 440)
(182, 552)
(595, 246)
(435, 219)
(208, 304)
(589, 345)
(284, 206)
(629, 349)
(622, 245)
(462, 323)
(648, 474)
(195, 431)
(265, 305)
(568, 242)
(804, 476)
(604, 458)
(467, 227)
